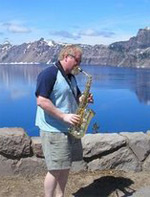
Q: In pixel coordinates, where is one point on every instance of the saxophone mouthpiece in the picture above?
(80, 69)
(76, 70)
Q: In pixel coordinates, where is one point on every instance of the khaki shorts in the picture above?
(58, 149)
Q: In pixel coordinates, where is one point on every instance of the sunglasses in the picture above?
(76, 59)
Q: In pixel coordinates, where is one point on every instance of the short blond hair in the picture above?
(69, 50)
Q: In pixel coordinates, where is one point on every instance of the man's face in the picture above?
(73, 61)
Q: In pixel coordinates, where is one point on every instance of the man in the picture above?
(57, 100)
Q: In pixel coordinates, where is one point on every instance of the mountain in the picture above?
(132, 53)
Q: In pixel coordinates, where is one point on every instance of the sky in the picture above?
(72, 21)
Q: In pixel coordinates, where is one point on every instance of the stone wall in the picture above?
(21, 154)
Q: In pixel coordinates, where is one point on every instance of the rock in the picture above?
(7, 166)
(142, 192)
(20, 154)
(95, 144)
(139, 143)
(14, 142)
(146, 164)
(78, 166)
(37, 146)
(122, 159)
(30, 165)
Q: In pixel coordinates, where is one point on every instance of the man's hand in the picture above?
(50, 108)
(71, 119)
(90, 98)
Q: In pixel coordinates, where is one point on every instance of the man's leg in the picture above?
(61, 183)
(55, 179)
(50, 183)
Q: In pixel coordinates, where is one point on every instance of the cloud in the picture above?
(16, 28)
(82, 33)
(95, 33)
(65, 34)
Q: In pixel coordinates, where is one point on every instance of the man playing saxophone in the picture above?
(58, 98)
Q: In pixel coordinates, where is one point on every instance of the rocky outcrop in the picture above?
(132, 53)
(21, 154)
(14, 143)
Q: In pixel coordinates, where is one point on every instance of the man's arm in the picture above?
(50, 108)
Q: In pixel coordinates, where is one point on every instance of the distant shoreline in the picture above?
(20, 63)
(38, 63)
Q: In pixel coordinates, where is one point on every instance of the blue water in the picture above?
(121, 97)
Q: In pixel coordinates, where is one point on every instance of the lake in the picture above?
(121, 97)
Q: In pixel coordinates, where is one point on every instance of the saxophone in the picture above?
(86, 114)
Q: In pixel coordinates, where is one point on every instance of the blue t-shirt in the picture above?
(62, 90)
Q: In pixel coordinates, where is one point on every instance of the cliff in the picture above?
(132, 53)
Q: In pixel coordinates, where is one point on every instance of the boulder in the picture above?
(122, 159)
(37, 146)
(146, 164)
(78, 166)
(95, 144)
(30, 165)
(7, 166)
(14, 142)
(139, 143)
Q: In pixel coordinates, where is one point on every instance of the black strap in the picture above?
(59, 66)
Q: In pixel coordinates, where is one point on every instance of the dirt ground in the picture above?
(91, 184)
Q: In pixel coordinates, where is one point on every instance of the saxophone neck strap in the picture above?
(60, 68)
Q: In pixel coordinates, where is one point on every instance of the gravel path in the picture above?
(91, 184)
